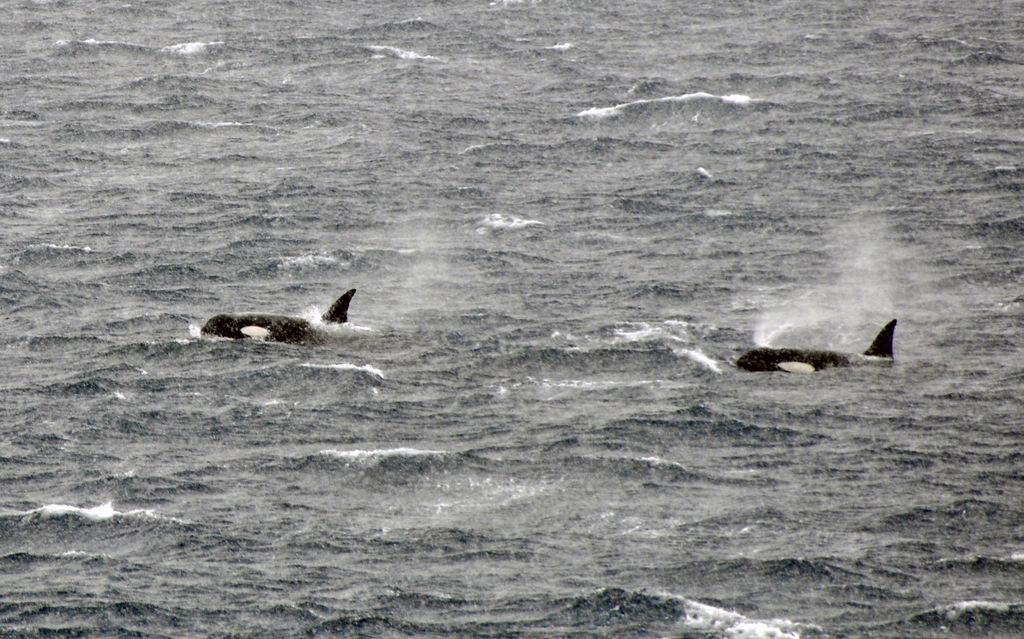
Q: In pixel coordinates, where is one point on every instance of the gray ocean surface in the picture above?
(565, 221)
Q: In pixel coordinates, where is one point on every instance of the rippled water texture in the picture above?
(565, 222)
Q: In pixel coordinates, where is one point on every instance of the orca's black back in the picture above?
(282, 328)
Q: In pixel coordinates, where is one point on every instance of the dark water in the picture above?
(565, 221)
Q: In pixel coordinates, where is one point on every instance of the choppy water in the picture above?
(565, 221)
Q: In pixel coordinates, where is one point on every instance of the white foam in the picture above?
(222, 125)
(698, 356)
(402, 54)
(639, 332)
(741, 100)
(365, 368)
(644, 332)
(98, 43)
(658, 461)
(565, 46)
(705, 618)
(591, 384)
(75, 554)
(953, 611)
(190, 48)
(599, 113)
(103, 512)
(67, 247)
(364, 455)
(306, 261)
(499, 222)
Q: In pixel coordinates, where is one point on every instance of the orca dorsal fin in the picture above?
(338, 312)
(882, 346)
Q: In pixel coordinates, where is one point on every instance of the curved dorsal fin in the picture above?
(882, 346)
(338, 313)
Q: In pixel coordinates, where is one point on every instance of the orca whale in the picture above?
(796, 360)
(276, 328)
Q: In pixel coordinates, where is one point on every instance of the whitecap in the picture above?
(953, 611)
(705, 618)
(639, 332)
(365, 368)
(222, 125)
(741, 100)
(499, 222)
(669, 330)
(65, 247)
(92, 42)
(401, 54)
(364, 455)
(74, 554)
(599, 113)
(565, 46)
(305, 261)
(190, 48)
(589, 384)
(103, 512)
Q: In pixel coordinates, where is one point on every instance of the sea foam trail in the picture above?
(191, 48)
(363, 456)
(401, 54)
(103, 512)
(184, 48)
(706, 618)
(345, 366)
(600, 113)
(499, 222)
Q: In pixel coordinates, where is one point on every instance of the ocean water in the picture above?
(565, 220)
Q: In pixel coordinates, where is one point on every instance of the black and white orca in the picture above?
(276, 328)
(795, 360)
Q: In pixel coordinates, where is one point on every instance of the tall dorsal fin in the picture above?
(338, 312)
(882, 346)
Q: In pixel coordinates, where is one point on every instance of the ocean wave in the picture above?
(101, 513)
(706, 618)
(376, 455)
(191, 48)
(672, 332)
(666, 613)
(401, 54)
(499, 222)
(345, 366)
(591, 384)
(97, 44)
(43, 253)
(302, 262)
(600, 113)
(711, 429)
(399, 27)
(973, 617)
(184, 48)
